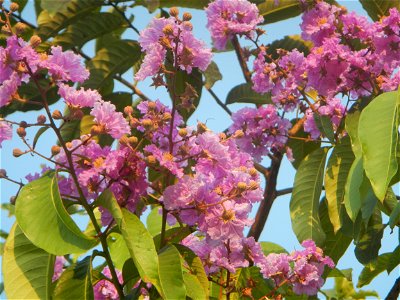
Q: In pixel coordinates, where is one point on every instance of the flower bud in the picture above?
(17, 152)
(128, 110)
(21, 132)
(97, 129)
(5, 29)
(68, 145)
(3, 173)
(57, 115)
(168, 30)
(151, 105)
(151, 160)
(253, 185)
(242, 186)
(187, 16)
(201, 127)
(133, 140)
(23, 124)
(147, 123)
(55, 150)
(35, 41)
(166, 116)
(174, 11)
(182, 132)
(253, 172)
(13, 199)
(41, 119)
(124, 140)
(188, 25)
(20, 28)
(14, 6)
(238, 134)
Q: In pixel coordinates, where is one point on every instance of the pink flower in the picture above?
(78, 98)
(5, 131)
(276, 266)
(58, 267)
(65, 66)
(227, 18)
(104, 289)
(114, 122)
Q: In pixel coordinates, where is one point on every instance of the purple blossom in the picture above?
(78, 98)
(227, 18)
(58, 267)
(65, 65)
(104, 289)
(105, 115)
(5, 132)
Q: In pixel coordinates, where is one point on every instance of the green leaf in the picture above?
(49, 26)
(378, 8)
(395, 216)
(76, 281)
(130, 274)
(212, 75)
(154, 221)
(171, 276)
(351, 125)
(378, 133)
(194, 288)
(44, 220)
(373, 269)
(344, 289)
(335, 244)
(338, 168)
(352, 197)
(198, 4)
(289, 43)
(368, 199)
(269, 247)
(301, 147)
(195, 265)
(284, 10)
(244, 93)
(27, 270)
(119, 99)
(346, 273)
(91, 26)
(251, 279)
(305, 197)
(118, 249)
(368, 242)
(38, 134)
(117, 58)
(325, 126)
(172, 235)
(138, 240)
(53, 6)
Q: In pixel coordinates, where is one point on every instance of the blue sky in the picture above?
(278, 227)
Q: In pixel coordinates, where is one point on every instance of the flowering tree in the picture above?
(327, 100)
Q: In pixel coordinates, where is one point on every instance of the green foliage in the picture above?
(344, 289)
(337, 170)
(39, 210)
(284, 10)
(27, 269)
(269, 247)
(171, 273)
(325, 126)
(118, 249)
(76, 281)
(289, 43)
(305, 197)
(212, 75)
(250, 281)
(379, 8)
(244, 93)
(378, 133)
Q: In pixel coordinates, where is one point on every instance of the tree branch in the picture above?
(219, 102)
(242, 61)
(394, 291)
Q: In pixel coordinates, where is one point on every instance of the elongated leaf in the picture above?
(351, 124)
(337, 171)
(198, 4)
(325, 126)
(212, 75)
(171, 276)
(76, 282)
(347, 273)
(373, 269)
(378, 133)
(274, 12)
(53, 6)
(269, 247)
(368, 241)
(138, 240)
(118, 250)
(44, 220)
(395, 216)
(289, 43)
(305, 197)
(352, 197)
(251, 281)
(194, 288)
(154, 221)
(379, 8)
(335, 244)
(27, 270)
(368, 199)
(115, 59)
(92, 26)
(244, 93)
(37, 135)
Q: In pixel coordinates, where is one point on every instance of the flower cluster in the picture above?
(261, 130)
(302, 269)
(5, 131)
(351, 56)
(174, 36)
(227, 18)
(105, 289)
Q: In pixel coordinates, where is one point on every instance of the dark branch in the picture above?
(395, 291)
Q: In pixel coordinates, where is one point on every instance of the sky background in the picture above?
(278, 227)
